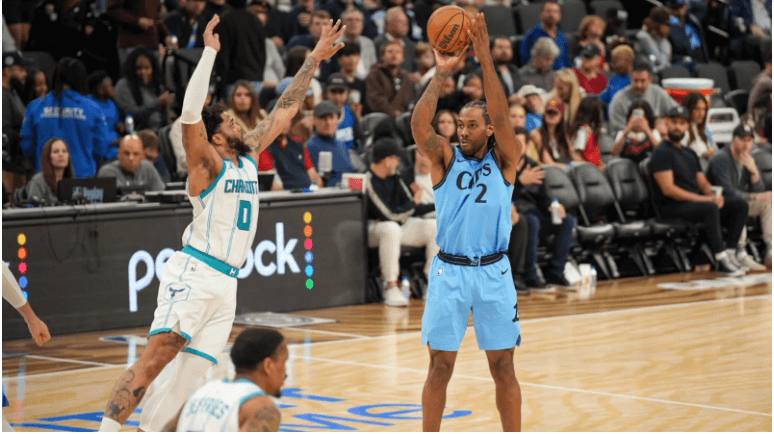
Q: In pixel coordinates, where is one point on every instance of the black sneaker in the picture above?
(537, 284)
(521, 287)
(557, 279)
(725, 266)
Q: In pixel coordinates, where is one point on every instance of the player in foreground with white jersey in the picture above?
(197, 293)
(247, 402)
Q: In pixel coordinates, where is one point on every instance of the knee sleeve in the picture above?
(189, 373)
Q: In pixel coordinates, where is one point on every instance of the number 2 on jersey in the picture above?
(480, 198)
(243, 219)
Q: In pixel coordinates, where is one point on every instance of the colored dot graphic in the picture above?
(308, 244)
(22, 254)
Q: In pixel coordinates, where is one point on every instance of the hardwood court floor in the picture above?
(684, 352)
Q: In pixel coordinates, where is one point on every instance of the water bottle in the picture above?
(173, 43)
(593, 278)
(313, 187)
(129, 124)
(556, 218)
(405, 286)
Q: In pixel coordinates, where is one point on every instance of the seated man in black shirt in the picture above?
(393, 218)
(685, 193)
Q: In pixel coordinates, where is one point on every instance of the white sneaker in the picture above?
(732, 258)
(747, 261)
(394, 297)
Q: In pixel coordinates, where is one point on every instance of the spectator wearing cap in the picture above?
(242, 54)
(551, 138)
(15, 163)
(102, 93)
(539, 71)
(683, 192)
(65, 112)
(621, 62)
(502, 55)
(388, 85)
(734, 169)
(533, 102)
(686, 35)
(131, 168)
(349, 60)
(353, 34)
(293, 162)
(654, 39)
(337, 91)
(642, 88)
(550, 17)
(590, 76)
(326, 122)
(393, 218)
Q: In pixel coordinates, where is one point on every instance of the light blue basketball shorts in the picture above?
(456, 290)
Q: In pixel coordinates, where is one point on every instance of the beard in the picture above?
(675, 136)
(238, 146)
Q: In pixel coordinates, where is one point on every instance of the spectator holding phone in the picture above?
(640, 136)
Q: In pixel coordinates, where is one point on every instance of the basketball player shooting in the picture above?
(197, 293)
(473, 184)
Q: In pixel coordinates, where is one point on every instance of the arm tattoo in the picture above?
(426, 106)
(293, 96)
(264, 420)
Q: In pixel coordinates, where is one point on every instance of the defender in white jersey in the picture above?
(197, 294)
(247, 402)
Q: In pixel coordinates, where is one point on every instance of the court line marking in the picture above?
(545, 386)
(327, 332)
(69, 371)
(554, 318)
(57, 359)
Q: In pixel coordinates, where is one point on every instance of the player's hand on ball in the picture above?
(331, 33)
(210, 38)
(479, 34)
(445, 63)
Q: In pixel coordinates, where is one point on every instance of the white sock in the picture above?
(109, 425)
(721, 256)
(741, 252)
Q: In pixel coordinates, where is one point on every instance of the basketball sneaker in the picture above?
(394, 297)
(725, 266)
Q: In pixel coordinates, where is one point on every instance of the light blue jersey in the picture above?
(473, 207)
(225, 216)
(215, 406)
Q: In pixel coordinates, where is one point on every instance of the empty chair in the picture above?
(596, 201)
(717, 73)
(527, 16)
(168, 152)
(738, 99)
(403, 124)
(762, 157)
(600, 7)
(499, 20)
(573, 12)
(675, 71)
(743, 72)
(606, 143)
(375, 125)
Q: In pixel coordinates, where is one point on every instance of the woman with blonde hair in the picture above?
(56, 165)
(567, 89)
(591, 31)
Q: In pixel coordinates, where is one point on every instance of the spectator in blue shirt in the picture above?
(550, 17)
(686, 35)
(337, 91)
(326, 121)
(622, 62)
(102, 93)
(66, 113)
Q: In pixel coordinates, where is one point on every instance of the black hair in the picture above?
(644, 106)
(590, 112)
(521, 130)
(295, 59)
(237, 4)
(130, 72)
(482, 106)
(642, 66)
(211, 115)
(253, 346)
(71, 72)
(350, 48)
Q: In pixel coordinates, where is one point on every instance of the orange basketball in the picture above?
(447, 29)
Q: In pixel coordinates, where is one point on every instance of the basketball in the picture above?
(447, 29)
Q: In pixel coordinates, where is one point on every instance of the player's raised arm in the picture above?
(289, 102)
(430, 144)
(195, 140)
(509, 147)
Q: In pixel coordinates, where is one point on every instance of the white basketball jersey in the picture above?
(214, 407)
(225, 216)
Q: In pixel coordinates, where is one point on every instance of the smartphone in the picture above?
(638, 113)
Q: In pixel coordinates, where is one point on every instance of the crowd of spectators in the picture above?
(577, 95)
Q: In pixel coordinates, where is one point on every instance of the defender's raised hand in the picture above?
(210, 38)
(479, 34)
(331, 33)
